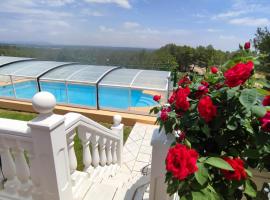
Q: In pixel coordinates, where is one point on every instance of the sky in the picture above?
(133, 23)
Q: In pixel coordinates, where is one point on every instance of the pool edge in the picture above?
(129, 119)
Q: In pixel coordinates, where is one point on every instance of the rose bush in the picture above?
(221, 124)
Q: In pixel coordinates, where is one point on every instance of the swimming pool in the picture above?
(85, 95)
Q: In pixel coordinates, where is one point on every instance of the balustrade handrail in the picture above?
(15, 128)
(74, 120)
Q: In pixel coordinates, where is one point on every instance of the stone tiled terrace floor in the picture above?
(137, 149)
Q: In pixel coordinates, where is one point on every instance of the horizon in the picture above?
(142, 24)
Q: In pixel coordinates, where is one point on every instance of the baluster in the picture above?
(9, 170)
(102, 152)
(87, 159)
(109, 151)
(34, 172)
(23, 172)
(114, 155)
(71, 152)
(95, 155)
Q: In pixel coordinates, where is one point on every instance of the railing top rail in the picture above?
(14, 127)
(74, 120)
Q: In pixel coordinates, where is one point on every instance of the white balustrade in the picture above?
(95, 153)
(109, 151)
(102, 152)
(85, 138)
(38, 157)
(23, 172)
(161, 144)
(71, 152)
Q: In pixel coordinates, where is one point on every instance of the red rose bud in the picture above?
(157, 98)
(182, 136)
(247, 45)
(207, 110)
(266, 101)
(214, 70)
(239, 172)
(204, 83)
(218, 86)
(164, 115)
(184, 81)
(181, 161)
(265, 122)
(202, 90)
(172, 97)
(238, 74)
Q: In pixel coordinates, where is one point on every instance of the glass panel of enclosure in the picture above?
(82, 94)
(114, 90)
(142, 100)
(6, 87)
(32, 68)
(114, 97)
(57, 88)
(25, 88)
(61, 73)
(7, 59)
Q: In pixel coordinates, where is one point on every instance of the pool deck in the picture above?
(129, 119)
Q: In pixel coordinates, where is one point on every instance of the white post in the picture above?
(50, 150)
(161, 144)
(118, 128)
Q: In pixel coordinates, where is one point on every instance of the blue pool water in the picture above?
(85, 95)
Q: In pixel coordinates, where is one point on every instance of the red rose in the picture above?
(214, 70)
(247, 45)
(184, 81)
(266, 101)
(164, 114)
(265, 122)
(239, 172)
(157, 98)
(204, 83)
(202, 90)
(172, 97)
(181, 161)
(218, 86)
(181, 99)
(207, 109)
(238, 74)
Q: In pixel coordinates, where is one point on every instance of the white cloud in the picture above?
(229, 14)
(213, 30)
(105, 29)
(56, 3)
(248, 21)
(89, 12)
(131, 25)
(121, 3)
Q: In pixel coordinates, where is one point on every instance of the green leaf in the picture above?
(259, 111)
(249, 173)
(250, 188)
(219, 163)
(202, 174)
(248, 97)
(206, 130)
(187, 143)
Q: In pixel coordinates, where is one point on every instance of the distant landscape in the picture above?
(170, 57)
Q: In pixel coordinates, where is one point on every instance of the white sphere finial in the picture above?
(117, 120)
(43, 102)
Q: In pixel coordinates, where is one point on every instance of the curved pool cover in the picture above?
(100, 87)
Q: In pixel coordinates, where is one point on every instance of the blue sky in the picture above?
(133, 23)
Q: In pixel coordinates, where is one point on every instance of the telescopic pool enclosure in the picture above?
(99, 87)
